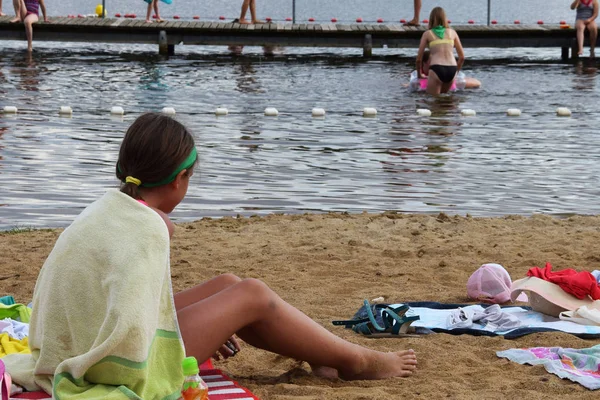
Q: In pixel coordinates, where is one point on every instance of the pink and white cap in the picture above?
(491, 283)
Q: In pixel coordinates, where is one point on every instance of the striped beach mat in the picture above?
(220, 387)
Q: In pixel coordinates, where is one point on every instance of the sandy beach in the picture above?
(327, 264)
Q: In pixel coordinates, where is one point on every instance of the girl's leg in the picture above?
(29, 21)
(434, 84)
(580, 26)
(417, 12)
(158, 18)
(253, 12)
(21, 11)
(1, 13)
(250, 305)
(593, 28)
(149, 12)
(245, 5)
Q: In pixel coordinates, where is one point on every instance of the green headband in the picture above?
(186, 164)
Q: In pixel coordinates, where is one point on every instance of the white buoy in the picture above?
(116, 110)
(271, 112)
(513, 112)
(423, 112)
(168, 111)
(221, 111)
(563, 112)
(318, 112)
(10, 110)
(468, 113)
(369, 112)
(65, 110)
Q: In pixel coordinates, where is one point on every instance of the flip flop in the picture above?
(395, 323)
(411, 24)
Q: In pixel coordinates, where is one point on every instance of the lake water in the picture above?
(52, 167)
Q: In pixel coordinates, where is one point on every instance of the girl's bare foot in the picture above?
(324, 372)
(2, 14)
(15, 19)
(378, 365)
(149, 21)
(580, 52)
(257, 21)
(243, 21)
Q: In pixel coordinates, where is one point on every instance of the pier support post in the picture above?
(564, 53)
(163, 46)
(368, 46)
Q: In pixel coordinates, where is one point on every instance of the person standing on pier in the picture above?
(153, 4)
(415, 20)
(252, 5)
(28, 13)
(587, 11)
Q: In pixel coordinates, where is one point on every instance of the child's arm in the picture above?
(574, 4)
(595, 14)
(460, 52)
(422, 46)
(43, 6)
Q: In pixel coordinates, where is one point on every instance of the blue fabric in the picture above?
(7, 300)
(164, 1)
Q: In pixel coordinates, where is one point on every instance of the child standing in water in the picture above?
(100, 292)
(28, 13)
(587, 11)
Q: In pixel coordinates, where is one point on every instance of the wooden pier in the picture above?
(168, 34)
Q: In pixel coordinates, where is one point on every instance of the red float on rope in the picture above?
(333, 19)
(80, 16)
(196, 17)
(175, 16)
(402, 21)
(449, 21)
(221, 18)
(288, 19)
(471, 21)
(311, 19)
(494, 22)
(268, 19)
(359, 20)
(540, 22)
(563, 22)
(154, 16)
(517, 22)
(425, 21)
(380, 21)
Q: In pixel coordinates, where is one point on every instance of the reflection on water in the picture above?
(52, 167)
(585, 75)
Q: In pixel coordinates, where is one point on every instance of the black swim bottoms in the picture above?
(446, 73)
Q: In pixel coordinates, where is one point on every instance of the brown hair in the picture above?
(152, 149)
(437, 18)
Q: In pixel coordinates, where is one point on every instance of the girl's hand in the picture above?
(228, 349)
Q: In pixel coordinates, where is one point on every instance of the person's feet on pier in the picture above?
(149, 21)
(2, 14)
(412, 22)
(257, 21)
(243, 21)
(15, 19)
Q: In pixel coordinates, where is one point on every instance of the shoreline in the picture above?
(327, 264)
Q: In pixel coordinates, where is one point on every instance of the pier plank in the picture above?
(125, 30)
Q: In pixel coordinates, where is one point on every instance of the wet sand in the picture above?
(327, 264)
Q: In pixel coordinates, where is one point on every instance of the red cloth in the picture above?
(579, 284)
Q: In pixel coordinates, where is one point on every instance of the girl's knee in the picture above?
(258, 292)
(230, 279)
